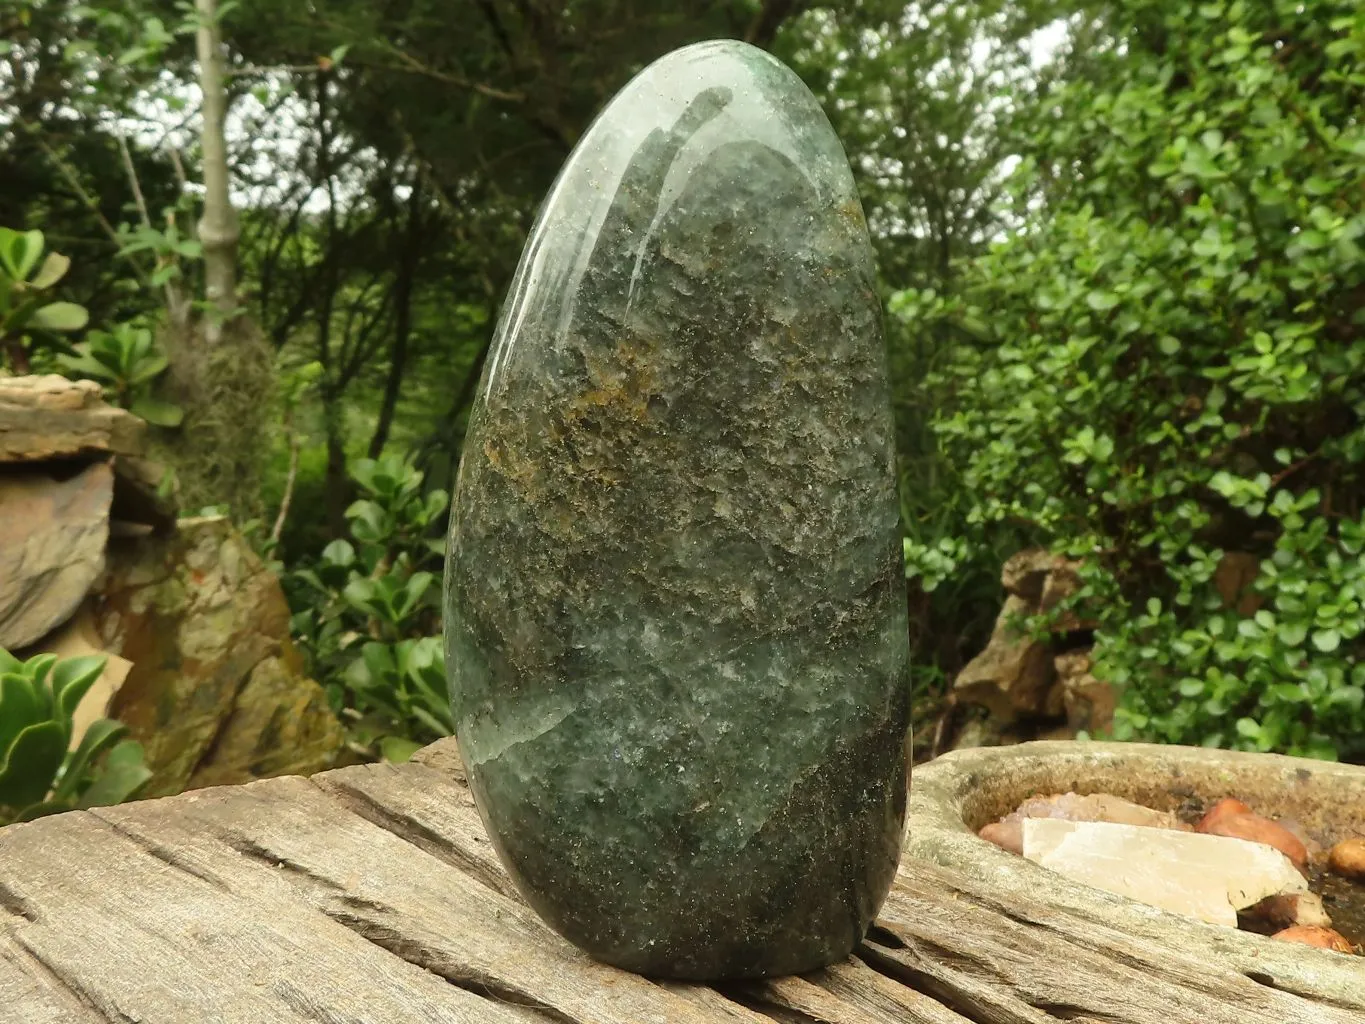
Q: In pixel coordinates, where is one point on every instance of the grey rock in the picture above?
(48, 417)
(53, 533)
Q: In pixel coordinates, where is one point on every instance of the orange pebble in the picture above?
(1348, 858)
(1008, 835)
(1322, 938)
(1223, 807)
(1256, 829)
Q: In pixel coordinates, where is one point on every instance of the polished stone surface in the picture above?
(675, 602)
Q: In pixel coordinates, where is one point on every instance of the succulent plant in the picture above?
(23, 286)
(40, 772)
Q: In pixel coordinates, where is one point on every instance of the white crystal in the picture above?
(1203, 876)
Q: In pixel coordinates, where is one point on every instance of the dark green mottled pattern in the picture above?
(675, 605)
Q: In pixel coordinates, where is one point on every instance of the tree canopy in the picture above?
(1120, 242)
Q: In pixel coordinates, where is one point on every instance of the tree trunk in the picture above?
(402, 328)
(222, 372)
(336, 489)
(218, 231)
(18, 355)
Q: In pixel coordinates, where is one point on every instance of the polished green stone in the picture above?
(676, 622)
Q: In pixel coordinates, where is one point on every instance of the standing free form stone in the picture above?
(675, 612)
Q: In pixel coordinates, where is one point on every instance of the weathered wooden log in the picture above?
(371, 894)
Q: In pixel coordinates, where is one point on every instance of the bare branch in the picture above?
(133, 183)
(412, 64)
(177, 305)
(289, 479)
(94, 207)
(179, 168)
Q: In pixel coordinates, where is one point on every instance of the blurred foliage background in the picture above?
(1120, 245)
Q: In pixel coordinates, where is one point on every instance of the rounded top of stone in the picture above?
(675, 120)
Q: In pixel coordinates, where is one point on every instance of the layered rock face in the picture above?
(94, 561)
(675, 598)
(215, 692)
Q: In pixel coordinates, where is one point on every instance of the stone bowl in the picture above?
(954, 795)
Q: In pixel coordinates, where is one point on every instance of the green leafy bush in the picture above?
(24, 284)
(368, 613)
(1165, 364)
(952, 577)
(126, 360)
(38, 773)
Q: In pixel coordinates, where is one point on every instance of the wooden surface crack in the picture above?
(15, 903)
(412, 951)
(160, 851)
(1266, 981)
(754, 999)
(61, 983)
(261, 854)
(977, 1001)
(366, 804)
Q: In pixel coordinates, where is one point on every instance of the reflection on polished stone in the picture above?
(675, 601)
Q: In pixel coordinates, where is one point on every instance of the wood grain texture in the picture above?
(371, 895)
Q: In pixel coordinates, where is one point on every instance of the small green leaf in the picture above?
(161, 275)
(20, 707)
(418, 585)
(1326, 640)
(1292, 634)
(398, 749)
(157, 412)
(54, 268)
(1290, 693)
(360, 592)
(86, 365)
(148, 368)
(38, 666)
(1310, 239)
(339, 553)
(60, 316)
(99, 737)
(433, 723)
(24, 250)
(31, 763)
(1192, 687)
(379, 660)
(123, 774)
(72, 679)
(133, 55)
